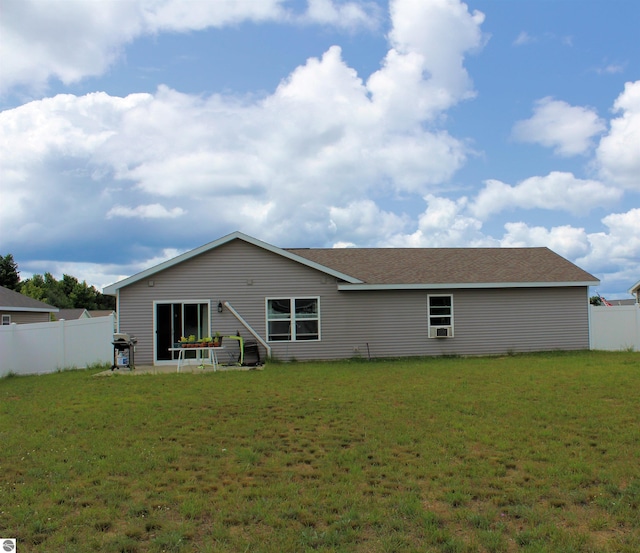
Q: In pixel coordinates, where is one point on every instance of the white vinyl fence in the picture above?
(40, 348)
(615, 328)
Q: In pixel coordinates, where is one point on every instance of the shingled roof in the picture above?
(472, 266)
(11, 300)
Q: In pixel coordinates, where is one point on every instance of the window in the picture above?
(6, 320)
(440, 316)
(293, 319)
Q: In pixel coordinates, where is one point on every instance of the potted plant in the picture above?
(217, 340)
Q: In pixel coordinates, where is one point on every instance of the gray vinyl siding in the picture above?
(356, 323)
(489, 321)
(237, 272)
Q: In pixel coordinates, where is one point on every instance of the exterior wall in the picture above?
(486, 321)
(26, 317)
(237, 272)
(355, 323)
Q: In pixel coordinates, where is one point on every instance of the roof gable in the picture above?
(112, 288)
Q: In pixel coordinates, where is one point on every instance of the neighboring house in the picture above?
(101, 312)
(20, 309)
(73, 314)
(622, 302)
(365, 302)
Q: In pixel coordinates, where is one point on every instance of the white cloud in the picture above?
(322, 130)
(610, 69)
(565, 128)
(444, 223)
(566, 240)
(618, 153)
(73, 39)
(349, 15)
(190, 15)
(358, 221)
(524, 38)
(152, 211)
(64, 39)
(619, 247)
(428, 39)
(557, 191)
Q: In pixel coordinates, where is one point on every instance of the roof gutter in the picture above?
(347, 287)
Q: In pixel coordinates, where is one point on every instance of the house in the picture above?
(21, 309)
(366, 302)
(73, 314)
(635, 291)
(619, 303)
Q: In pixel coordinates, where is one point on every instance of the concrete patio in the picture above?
(166, 369)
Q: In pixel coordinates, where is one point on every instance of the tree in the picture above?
(9, 274)
(66, 293)
(46, 289)
(83, 295)
(63, 294)
(595, 300)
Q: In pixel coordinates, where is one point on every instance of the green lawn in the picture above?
(521, 453)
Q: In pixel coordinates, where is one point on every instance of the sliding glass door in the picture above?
(176, 319)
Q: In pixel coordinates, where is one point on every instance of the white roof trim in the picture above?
(634, 288)
(113, 288)
(459, 285)
(30, 309)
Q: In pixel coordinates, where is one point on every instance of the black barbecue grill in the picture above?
(124, 347)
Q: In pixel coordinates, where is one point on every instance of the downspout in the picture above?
(248, 327)
(118, 310)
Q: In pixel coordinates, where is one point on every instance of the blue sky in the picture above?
(133, 131)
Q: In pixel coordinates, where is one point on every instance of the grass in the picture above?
(533, 453)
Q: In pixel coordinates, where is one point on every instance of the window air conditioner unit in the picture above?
(441, 332)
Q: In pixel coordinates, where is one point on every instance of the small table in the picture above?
(211, 355)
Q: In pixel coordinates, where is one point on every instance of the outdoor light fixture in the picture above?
(219, 307)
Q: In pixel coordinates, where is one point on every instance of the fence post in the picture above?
(13, 359)
(62, 354)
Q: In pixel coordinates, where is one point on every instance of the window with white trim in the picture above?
(293, 319)
(6, 320)
(440, 315)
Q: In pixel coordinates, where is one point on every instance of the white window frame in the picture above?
(431, 316)
(6, 319)
(293, 337)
